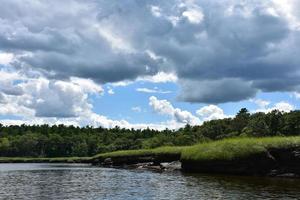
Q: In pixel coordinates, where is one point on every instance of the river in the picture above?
(81, 181)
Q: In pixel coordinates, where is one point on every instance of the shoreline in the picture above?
(45, 160)
(272, 157)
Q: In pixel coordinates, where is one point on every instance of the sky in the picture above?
(146, 63)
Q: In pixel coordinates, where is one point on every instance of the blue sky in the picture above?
(138, 64)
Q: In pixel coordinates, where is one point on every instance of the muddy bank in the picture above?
(274, 162)
(283, 162)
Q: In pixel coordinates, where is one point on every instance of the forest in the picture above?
(64, 141)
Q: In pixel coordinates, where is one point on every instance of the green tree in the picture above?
(241, 120)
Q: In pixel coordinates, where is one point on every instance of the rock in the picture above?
(175, 165)
(154, 168)
(107, 161)
(287, 175)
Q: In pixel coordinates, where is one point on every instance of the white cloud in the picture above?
(92, 119)
(6, 58)
(136, 109)
(57, 98)
(7, 83)
(160, 77)
(44, 101)
(296, 95)
(289, 9)
(262, 104)
(154, 90)
(211, 112)
(164, 107)
(156, 11)
(122, 83)
(116, 41)
(194, 15)
(281, 106)
(111, 91)
(41, 97)
(110, 42)
(87, 85)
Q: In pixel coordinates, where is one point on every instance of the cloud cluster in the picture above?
(281, 106)
(211, 112)
(217, 51)
(211, 46)
(164, 107)
(41, 97)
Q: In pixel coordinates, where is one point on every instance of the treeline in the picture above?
(61, 140)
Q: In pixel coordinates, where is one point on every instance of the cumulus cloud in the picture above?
(6, 58)
(45, 98)
(164, 107)
(249, 44)
(44, 101)
(281, 106)
(211, 112)
(69, 42)
(216, 51)
(7, 83)
(261, 103)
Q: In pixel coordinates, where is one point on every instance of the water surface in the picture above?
(80, 181)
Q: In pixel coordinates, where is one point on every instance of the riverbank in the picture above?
(270, 156)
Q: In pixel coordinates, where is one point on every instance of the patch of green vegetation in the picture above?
(226, 149)
(229, 149)
(39, 141)
(142, 152)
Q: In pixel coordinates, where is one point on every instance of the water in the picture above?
(76, 181)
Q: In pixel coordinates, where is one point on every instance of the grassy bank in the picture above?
(45, 160)
(141, 152)
(229, 149)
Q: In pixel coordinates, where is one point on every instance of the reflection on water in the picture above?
(73, 181)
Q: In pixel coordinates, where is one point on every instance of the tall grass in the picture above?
(142, 152)
(229, 149)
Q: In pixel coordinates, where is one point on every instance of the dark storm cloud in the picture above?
(219, 91)
(221, 51)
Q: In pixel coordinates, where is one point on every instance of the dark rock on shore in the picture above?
(131, 160)
(164, 162)
(276, 162)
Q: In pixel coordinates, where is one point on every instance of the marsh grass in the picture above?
(142, 152)
(229, 149)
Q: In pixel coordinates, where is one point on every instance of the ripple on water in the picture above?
(73, 181)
